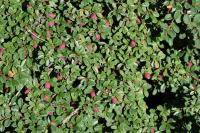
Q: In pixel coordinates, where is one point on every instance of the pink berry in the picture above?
(29, 5)
(95, 109)
(98, 37)
(59, 77)
(93, 16)
(35, 45)
(114, 100)
(160, 77)
(51, 15)
(53, 123)
(62, 58)
(47, 85)
(194, 87)
(189, 64)
(46, 98)
(152, 130)
(48, 34)
(107, 23)
(51, 24)
(138, 20)
(1, 51)
(34, 34)
(53, 46)
(169, 7)
(27, 91)
(132, 44)
(82, 24)
(50, 113)
(147, 75)
(62, 45)
(93, 93)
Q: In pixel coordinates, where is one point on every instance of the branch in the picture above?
(196, 79)
(69, 117)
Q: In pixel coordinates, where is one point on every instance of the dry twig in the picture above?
(29, 31)
(69, 117)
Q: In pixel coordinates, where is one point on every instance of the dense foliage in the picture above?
(99, 66)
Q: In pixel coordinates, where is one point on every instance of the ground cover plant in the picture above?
(99, 66)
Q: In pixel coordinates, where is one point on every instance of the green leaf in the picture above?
(6, 69)
(7, 123)
(177, 16)
(182, 36)
(176, 28)
(186, 19)
(197, 43)
(168, 17)
(197, 18)
(156, 14)
(131, 2)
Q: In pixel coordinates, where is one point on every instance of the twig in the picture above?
(53, 96)
(76, 42)
(29, 31)
(4, 118)
(15, 96)
(69, 117)
(196, 79)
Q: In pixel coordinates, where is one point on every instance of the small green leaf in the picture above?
(182, 36)
(5, 70)
(197, 18)
(168, 17)
(177, 16)
(176, 28)
(186, 19)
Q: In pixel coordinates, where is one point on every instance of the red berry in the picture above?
(93, 93)
(132, 44)
(51, 15)
(98, 37)
(147, 75)
(46, 98)
(189, 64)
(95, 109)
(93, 16)
(48, 34)
(62, 45)
(50, 113)
(27, 91)
(48, 85)
(51, 24)
(114, 100)
(34, 34)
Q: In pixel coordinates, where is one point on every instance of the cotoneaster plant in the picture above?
(99, 66)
